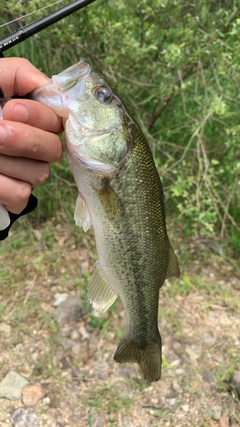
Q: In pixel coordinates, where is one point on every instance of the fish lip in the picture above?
(58, 85)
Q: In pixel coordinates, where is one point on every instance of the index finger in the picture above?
(19, 77)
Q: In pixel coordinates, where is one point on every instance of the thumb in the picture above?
(19, 77)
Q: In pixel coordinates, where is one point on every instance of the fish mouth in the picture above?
(71, 76)
(62, 88)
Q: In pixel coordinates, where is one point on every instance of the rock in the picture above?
(5, 329)
(69, 310)
(31, 394)
(185, 408)
(11, 386)
(235, 382)
(59, 298)
(209, 377)
(23, 418)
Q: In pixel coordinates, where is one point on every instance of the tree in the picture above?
(176, 65)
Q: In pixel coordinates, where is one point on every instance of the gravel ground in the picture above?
(63, 353)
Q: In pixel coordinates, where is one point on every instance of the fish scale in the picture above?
(121, 196)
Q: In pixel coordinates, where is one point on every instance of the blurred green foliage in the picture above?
(176, 65)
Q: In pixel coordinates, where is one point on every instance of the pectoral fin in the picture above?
(111, 203)
(81, 214)
(100, 293)
(173, 266)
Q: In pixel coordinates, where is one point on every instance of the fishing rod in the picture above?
(42, 23)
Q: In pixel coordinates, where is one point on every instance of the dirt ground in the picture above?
(199, 320)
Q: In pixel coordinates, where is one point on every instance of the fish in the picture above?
(121, 196)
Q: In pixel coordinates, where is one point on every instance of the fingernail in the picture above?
(21, 113)
(3, 133)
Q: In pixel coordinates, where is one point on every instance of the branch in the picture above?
(157, 112)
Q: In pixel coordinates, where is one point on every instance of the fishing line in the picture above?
(30, 13)
(42, 23)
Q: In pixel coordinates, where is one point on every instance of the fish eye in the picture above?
(104, 94)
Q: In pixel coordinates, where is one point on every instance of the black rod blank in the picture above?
(42, 23)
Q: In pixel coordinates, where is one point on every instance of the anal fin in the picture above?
(100, 293)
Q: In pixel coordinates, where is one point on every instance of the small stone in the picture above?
(176, 387)
(98, 421)
(180, 371)
(101, 369)
(69, 310)
(31, 394)
(23, 418)
(128, 423)
(208, 338)
(125, 372)
(171, 401)
(176, 363)
(60, 421)
(192, 352)
(215, 412)
(67, 343)
(11, 386)
(209, 377)
(75, 334)
(5, 329)
(76, 349)
(185, 408)
(235, 382)
(84, 333)
(46, 400)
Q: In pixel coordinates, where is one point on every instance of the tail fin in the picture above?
(148, 356)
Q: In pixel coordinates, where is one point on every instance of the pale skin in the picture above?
(29, 135)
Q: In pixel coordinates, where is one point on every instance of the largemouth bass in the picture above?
(121, 196)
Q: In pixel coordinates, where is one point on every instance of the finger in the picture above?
(20, 78)
(32, 113)
(22, 140)
(14, 194)
(32, 171)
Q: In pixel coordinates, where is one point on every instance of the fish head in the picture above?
(98, 127)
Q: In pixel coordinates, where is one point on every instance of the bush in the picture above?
(176, 65)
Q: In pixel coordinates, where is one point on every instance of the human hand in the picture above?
(29, 130)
